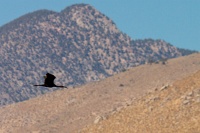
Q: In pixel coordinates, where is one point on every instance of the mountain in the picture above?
(150, 90)
(77, 45)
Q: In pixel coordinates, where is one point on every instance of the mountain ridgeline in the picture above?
(77, 45)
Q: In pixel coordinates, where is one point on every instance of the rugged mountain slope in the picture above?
(170, 109)
(65, 111)
(78, 45)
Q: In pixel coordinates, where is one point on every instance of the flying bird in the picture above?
(49, 81)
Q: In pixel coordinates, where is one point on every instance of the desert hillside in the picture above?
(170, 109)
(70, 110)
(78, 45)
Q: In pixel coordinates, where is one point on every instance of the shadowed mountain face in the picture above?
(77, 45)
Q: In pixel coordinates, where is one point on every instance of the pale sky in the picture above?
(175, 21)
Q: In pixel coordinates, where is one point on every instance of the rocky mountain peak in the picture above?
(88, 17)
(77, 45)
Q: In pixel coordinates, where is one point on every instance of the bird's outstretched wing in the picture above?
(49, 81)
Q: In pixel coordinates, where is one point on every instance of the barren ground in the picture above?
(101, 102)
(171, 109)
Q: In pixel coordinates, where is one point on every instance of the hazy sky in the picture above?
(175, 21)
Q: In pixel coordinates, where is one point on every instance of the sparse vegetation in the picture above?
(121, 85)
(150, 60)
(163, 61)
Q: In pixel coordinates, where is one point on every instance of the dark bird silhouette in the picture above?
(49, 81)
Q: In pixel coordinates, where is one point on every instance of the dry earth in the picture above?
(170, 109)
(70, 110)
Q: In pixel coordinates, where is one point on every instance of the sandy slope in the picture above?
(70, 110)
(171, 109)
